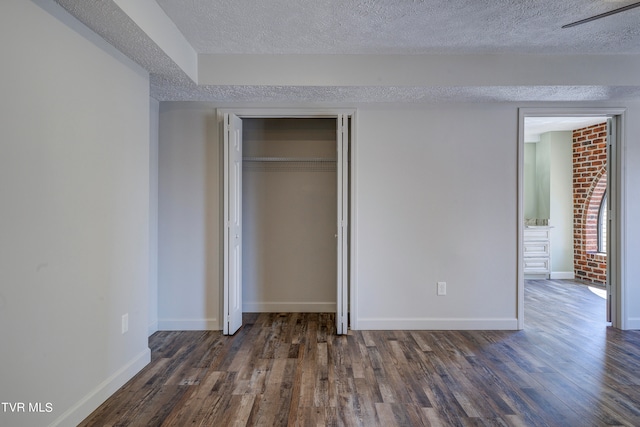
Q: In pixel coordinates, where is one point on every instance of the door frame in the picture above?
(352, 209)
(616, 260)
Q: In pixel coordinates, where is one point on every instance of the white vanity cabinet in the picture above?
(537, 251)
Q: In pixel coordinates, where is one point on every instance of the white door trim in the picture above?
(619, 318)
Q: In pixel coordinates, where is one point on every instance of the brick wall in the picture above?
(589, 185)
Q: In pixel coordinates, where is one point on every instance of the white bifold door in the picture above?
(232, 224)
(342, 168)
(232, 320)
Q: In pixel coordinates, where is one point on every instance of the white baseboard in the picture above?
(85, 406)
(152, 328)
(211, 324)
(437, 324)
(633, 323)
(289, 307)
(570, 275)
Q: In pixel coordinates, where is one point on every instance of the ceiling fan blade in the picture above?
(602, 15)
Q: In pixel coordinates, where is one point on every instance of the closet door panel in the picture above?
(342, 224)
(233, 224)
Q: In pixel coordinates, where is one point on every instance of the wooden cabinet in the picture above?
(537, 251)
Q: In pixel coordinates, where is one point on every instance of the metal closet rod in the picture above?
(290, 159)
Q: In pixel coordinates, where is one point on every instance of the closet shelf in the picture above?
(290, 159)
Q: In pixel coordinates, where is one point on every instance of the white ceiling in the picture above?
(402, 26)
(536, 126)
(360, 27)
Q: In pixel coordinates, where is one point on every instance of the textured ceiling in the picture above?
(403, 26)
(366, 27)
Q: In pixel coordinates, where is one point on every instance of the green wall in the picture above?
(548, 192)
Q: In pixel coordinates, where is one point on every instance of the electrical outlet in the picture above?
(442, 288)
(125, 323)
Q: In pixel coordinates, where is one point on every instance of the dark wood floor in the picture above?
(567, 368)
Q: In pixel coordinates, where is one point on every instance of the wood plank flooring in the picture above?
(567, 368)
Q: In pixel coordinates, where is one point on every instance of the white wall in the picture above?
(433, 207)
(631, 210)
(189, 218)
(429, 207)
(74, 229)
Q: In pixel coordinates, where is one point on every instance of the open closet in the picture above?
(286, 216)
(289, 215)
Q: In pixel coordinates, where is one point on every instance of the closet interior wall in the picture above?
(289, 215)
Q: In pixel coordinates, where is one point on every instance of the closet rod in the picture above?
(290, 159)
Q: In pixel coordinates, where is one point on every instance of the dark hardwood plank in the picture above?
(567, 368)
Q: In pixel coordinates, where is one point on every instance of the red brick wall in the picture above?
(589, 184)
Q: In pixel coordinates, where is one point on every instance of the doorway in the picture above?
(293, 173)
(563, 225)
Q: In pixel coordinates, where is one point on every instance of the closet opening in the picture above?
(286, 245)
(289, 207)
